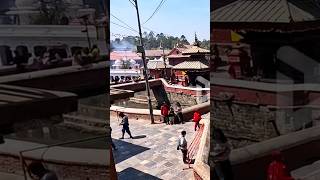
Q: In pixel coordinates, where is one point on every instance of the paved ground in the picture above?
(152, 154)
(7, 176)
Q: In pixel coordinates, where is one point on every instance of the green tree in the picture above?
(184, 40)
(205, 44)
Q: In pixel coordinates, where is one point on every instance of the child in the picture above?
(196, 119)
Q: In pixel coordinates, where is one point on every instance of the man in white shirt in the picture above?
(183, 146)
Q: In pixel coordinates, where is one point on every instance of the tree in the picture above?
(184, 40)
(52, 12)
(205, 44)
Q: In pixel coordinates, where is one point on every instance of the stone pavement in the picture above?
(153, 153)
(7, 176)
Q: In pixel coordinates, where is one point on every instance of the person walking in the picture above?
(196, 119)
(125, 125)
(183, 146)
(178, 112)
(277, 170)
(165, 112)
(221, 152)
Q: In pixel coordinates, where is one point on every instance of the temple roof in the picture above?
(275, 11)
(157, 64)
(195, 50)
(156, 53)
(193, 64)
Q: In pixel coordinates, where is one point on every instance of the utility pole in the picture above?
(164, 62)
(141, 49)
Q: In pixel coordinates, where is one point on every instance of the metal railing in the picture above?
(194, 145)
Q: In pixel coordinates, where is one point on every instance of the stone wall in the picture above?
(243, 123)
(12, 164)
(246, 121)
(183, 99)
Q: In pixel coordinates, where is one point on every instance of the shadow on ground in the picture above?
(126, 150)
(131, 173)
(139, 137)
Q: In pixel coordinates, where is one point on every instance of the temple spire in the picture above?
(196, 42)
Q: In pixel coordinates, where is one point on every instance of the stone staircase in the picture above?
(85, 123)
(88, 118)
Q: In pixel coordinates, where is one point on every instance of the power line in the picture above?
(123, 22)
(155, 11)
(132, 3)
(123, 26)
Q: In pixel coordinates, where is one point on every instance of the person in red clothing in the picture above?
(165, 112)
(196, 119)
(277, 170)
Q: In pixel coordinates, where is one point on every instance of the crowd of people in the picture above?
(171, 114)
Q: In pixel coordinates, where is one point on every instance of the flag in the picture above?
(235, 37)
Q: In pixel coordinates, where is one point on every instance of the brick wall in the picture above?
(244, 122)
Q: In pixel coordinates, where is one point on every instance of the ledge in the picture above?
(59, 155)
(284, 142)
(201, 165)
(272, 87)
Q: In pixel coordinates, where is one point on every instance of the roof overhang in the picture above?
(268, 26)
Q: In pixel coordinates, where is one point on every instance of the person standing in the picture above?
(165, 112)
(171, 116)
(277, 170)
(183, 146)
(125, 125)
(196, 119)
(221, 152)
(178, 112)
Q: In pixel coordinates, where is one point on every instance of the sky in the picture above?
(175, 17)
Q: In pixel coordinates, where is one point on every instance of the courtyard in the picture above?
(152, 154)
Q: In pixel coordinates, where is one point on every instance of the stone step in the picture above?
(308, 172)
(96, 112)
(85, 120)
(85, 128)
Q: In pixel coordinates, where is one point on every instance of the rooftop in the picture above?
(280, 12)
(193, 64)
(119, 55)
